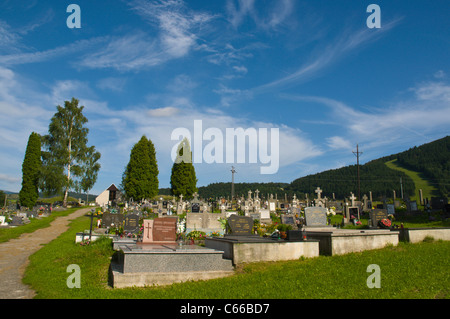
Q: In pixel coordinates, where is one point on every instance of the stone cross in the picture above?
(353, 199)
(181, 197)
(249, 194)
(257, 194)
(195, 196)
(319, 192)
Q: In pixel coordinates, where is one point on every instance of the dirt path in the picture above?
(14, 255)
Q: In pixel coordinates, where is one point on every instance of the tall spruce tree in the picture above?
(31, 169)
(183, 179)
(66, 149)
(140, 179)
(90, 171)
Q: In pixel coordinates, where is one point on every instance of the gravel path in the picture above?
(15, 252)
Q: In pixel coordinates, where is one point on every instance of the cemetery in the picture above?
(175, 240)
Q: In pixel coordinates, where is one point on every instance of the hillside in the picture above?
(375, 176)
(433, 161)
(428, 164)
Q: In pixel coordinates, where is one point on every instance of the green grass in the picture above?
(10, 233)
(407, 271)
(419, 182)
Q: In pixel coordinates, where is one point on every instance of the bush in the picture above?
(284, 227)
(196, 235)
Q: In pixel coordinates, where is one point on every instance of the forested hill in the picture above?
(432, 160)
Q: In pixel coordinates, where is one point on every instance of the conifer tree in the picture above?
(31, 168)
(90, 171)
(140, 179)
(183, 179)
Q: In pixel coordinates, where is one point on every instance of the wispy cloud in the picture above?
(125, 53)
(344, 44)
(427, 110)
(272, 17)
(21, 57)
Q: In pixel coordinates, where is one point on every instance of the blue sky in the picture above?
(312, 69)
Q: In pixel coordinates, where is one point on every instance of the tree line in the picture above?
(431, 159)
(60, 160)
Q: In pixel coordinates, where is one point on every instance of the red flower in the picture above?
(386, 222)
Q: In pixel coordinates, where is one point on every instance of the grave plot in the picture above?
(160, 260)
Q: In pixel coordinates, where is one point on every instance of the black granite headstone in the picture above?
(195, 208)
(376, 215)
(240, 225)
(131, 223)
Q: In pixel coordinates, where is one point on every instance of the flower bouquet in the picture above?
(385, 223)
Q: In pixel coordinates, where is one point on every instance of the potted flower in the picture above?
(283, 228)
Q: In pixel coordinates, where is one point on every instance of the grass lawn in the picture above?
(407, 271)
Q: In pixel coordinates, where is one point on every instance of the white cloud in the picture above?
(163, 111)
(347, 42)
(130, 52)
(20, 57)
(440, 74)
(338, 143)
(273, 16)
(115, 84)
(10, 179)
(425, 112)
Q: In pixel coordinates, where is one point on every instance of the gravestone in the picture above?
(438, 202)
(390, 209)
(131, 223)
(411, 206)
(160, 230)
(316, 216)
(240, 225)
(376, 215)
(272, 206)
(106, 220)
(117, 220)
(16, 221)
(289, 220)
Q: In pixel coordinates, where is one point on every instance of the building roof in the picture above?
(112, 188)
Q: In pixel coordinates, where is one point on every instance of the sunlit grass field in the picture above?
(406, 271)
